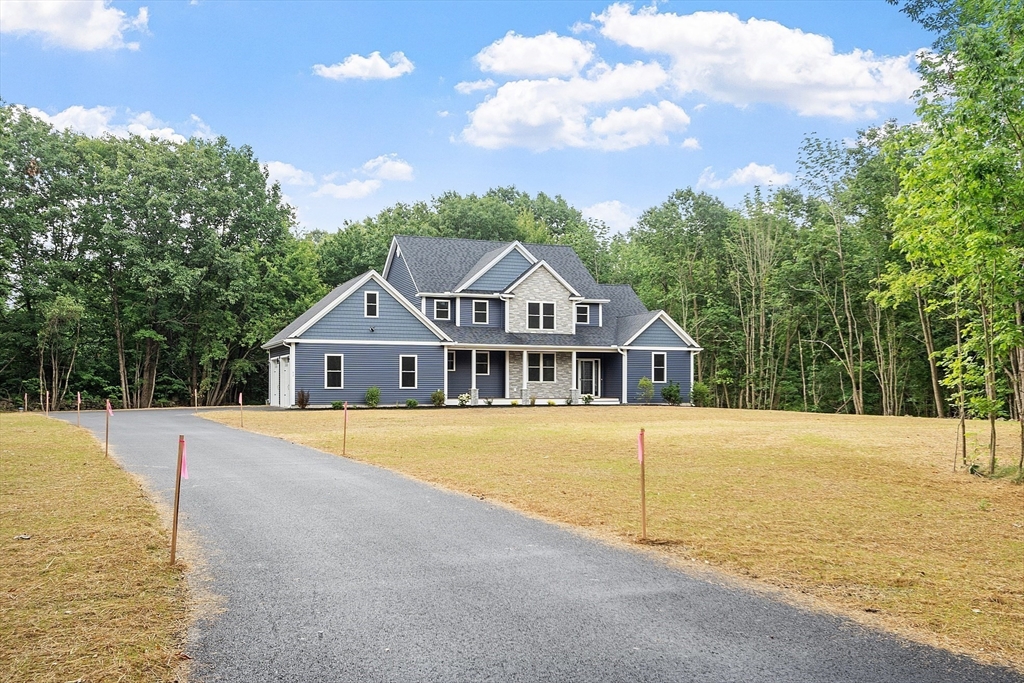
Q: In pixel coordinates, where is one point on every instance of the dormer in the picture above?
(541, 302)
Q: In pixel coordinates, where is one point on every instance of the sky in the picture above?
(355, 106)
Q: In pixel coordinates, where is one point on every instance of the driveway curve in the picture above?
(332, 570)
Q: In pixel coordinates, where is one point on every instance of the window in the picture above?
(479, 311)
(483, 363)
(540, 315)
(541, 367)
(334, 371)
(658, 367)
(370, 304)
(451, 361)
(442, 309)
(407, 372)
(583, 314)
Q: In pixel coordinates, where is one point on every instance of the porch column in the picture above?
(523, 392)
(625, 374)
(573, 393)
(474, 395)
(445, 350)
(508, 380)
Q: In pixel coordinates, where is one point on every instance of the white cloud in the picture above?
(98, 121)
(388, 167)
(73, 24)
(555, 113)
(691, 143)
(614, 214)
(286, 174)
(749, 175)
(548, 54)
(700, 107)
(201, 129)
(373, 67)
(467, 87)
(743, 62)
(443, 113)
(353, 189)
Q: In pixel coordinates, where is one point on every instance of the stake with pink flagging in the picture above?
(643, 486)
(241, 415)
(106, 438)
(182, 473)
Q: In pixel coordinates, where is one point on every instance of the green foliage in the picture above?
(700, 395)
(411, 403)
(672, 394)
(337, 405)
(645, 389)
(587, 399)
(372, 398)
(464, 400)
(437, 398)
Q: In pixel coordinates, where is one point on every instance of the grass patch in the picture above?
(90, 595)
(862, 513)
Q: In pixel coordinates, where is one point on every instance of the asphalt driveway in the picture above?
(333, 570)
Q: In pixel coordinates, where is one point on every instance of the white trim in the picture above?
(445, 384)
(458, 311)
(572, 384)
(662, 315)
(376, 303)
(554, 317)
(423, 305)
(531, 271)
(476, 361)
(342, 371)
(540, 374)
(415, 370)
(662, 348)
(391, 253)
(526, 383)
(625, 375)
(487, 311)
(692, 354)
(508, 379)
(369, 343)
(453, 295)
(291, 376)
(442, 301)
(600, 315)
(585, 307)
(663, 354)
(517, 245)
(451, 364)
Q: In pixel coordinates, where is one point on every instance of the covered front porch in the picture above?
(500, 376)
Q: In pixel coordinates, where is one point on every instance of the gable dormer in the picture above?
(541, 302)
(497, 269)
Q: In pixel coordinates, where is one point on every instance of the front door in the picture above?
(590, 378)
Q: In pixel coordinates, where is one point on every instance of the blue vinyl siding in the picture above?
(451, 309)
(659, 335)
(488, 386)
(368, 365)
(502, 274)
(347, 322)
(677, 370)
(495, 313)
(400, 278)
(611, 372)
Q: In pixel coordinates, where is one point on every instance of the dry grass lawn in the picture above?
(860, 514)
(90, 595)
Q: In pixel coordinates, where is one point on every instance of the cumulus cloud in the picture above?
(616, 215)
(744, 62)
(73, 24)
(467, 87)
(353, 189)
(373, 67)
(286, 174)
(548, 54)
(555, 113)
(691, 143)
(388, 167)
(749, 175)
(98, 121)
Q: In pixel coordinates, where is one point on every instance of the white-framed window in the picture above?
(583, 314)
(442, 309)
(407, 372)
(479, 311)
(371, 302)
(483, 363)
(658, 365)
(540, 367)
(451, 361)
(334, 371)
(540, 315)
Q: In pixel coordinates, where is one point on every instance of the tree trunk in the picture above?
(933, 366)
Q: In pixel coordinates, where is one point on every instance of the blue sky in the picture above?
(613, 106)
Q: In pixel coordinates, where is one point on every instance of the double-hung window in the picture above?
(407, 372)
(658, 366)
(370, 300)
(540, 315)
(334, 371)
(583, 314)
(442, 309)
(479, 311)
(483, 363)
(540, 367)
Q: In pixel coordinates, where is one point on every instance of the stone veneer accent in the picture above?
(541, 286)
(559, 389)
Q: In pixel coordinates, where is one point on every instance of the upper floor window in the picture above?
(658, 366)
(479, 311)
(442, 309)
(583, 314)
(334, 371)
(370, 304)
(540, 315)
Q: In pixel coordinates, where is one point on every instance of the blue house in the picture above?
(495, 320)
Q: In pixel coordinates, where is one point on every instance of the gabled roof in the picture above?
(655, 315)
(491, 259)
(537, 266)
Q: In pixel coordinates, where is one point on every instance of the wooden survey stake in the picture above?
(47, 406)
(241, 415)
(195, 394)
(643, 487)
(344, 431)
(26, 402)
(177, 496)
(78, 404)
(106, 438)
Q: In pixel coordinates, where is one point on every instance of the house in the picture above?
(498, 321)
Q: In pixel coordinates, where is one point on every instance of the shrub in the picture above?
(302, 398)
(551, 402)
(437, 398)
(514, 403)
(672, 394)
(489, 401)
(568, 401)
(372, 397)
(700, 395)
(337, 405)
(587, 399)
(464, 399)
(411, 403)
(533, 400)
(645, 389)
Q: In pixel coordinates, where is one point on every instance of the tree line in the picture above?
(889, 279)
